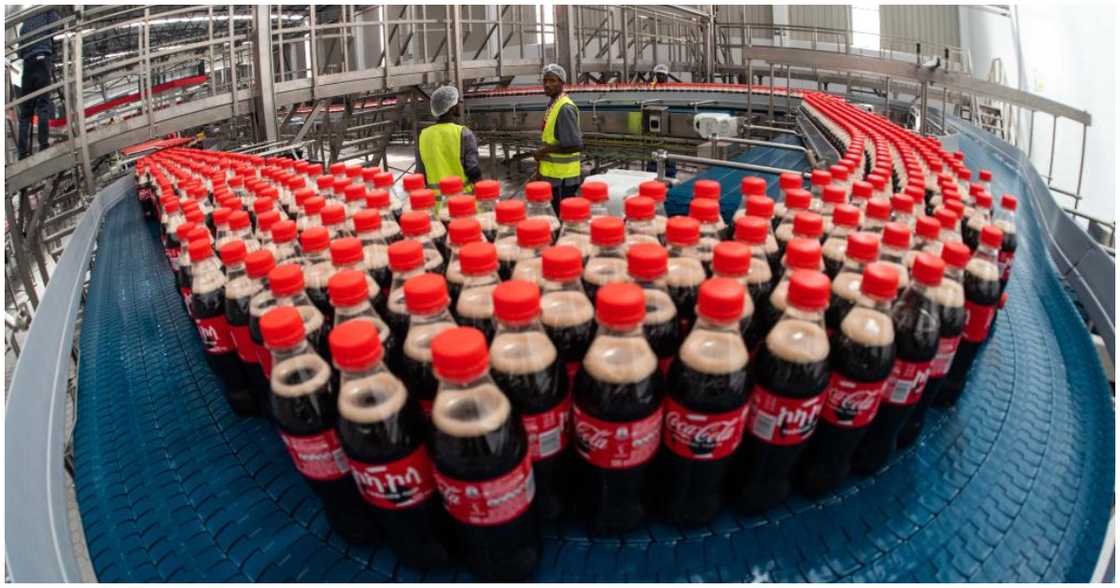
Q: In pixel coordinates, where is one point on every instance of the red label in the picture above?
(702, 436)
(396, 485)
(978, 319)
(906, 383)
(548, 430)
(616, 445)
(1005, 259)
(215, 334)
(264, 357)
(946, 349)
(664, 364)
(246, 348)
(319, 457)
(489, 502)
(782, 421)
(573, 371)
(851, 404)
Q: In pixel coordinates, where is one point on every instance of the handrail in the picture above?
(37, 526)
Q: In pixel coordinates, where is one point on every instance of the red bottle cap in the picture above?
(338, 168)
(425, 293)
(956, 206)
(916, 192)
(705, 189)
(284, 231)
(845, 215)
(198, 232)
(798, 198)
(538, 192)
(286, 279)
(896, 235)
(861, 189)
(991, 236)
(682, 230)
(561, 263)
(346, 250)
(880, 280)
(348, 287)
(465, 230)
(405, 255)
(377, 199)
(927, 227)
(575, 209)
(985, 175)
(258, 263)
(533, 232)
(487, 189)
(460, 354)
(478, 258)
(946, 217)
(620, 304)
(415, 223)
(790, 181)
(355, 345)
(751, 229)
(809, 290)
(333, 214)
(721, 299)
(647, 261)
(808, 224)
(902, 204)
(877, 181)
(640, 208)
(820, 177)
(596, 191)
(383, 180)
(366, 220)
(355, 192)
(412, 182)
(974, 189)
(704, 210)
(653, 189)
(878, 209)
(731, 258)
(315, 239)
(232, 252)
(422, 199)
(221, 216)
(928, 269)
(834, 194)
(314, 205)
(509, 212)
(282, 326)
(753, 186)
(199, 249)
(803, 253)
(370, 172)
(607, 231)
(516, 301)
(340, 184)
(760, 206)
(1009, 202)
(238, 220)
(461, 205)
(956, 254)
(449, 185)
(263, 204)
(839, 172)
(862, 247)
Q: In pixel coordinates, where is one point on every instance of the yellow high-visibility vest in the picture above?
(439, 151)
(557, 165)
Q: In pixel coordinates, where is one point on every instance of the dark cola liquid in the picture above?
(398, 324)
(613, 497)
(683, 280)
(981, 287)
(952, 315)
(917, 333)
(970, 235)
(475, 309)
(661, 327)
(568, 319)
(860, 356)
(787, 370)
(832, 265)
(760, 296)
(210, 304)
(535, 381)
(302, 405)
(1010, 244)
(237, 315)
(691, 490)
(847, 283)
(316, 277)
(416, 361)
(507, 551)
(416, 533)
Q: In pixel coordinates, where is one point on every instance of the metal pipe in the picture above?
(1081, 166)
(1053, 144)
(663, 155)
(739, 141)
(770, 106)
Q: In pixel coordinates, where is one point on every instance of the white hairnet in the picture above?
(444, 99)
(556, 70)
(661, 68)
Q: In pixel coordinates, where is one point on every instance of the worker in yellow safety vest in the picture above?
(447, 148)
(558, 159)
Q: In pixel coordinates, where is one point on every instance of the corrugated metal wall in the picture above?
(750, 14)
(837, 16)
(935, 26)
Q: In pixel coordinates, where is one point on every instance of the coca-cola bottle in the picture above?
(831, 197)
(334, 220)
(426, 298)
(845, 221)
(949, 225)
(819, 179)
(208, 303)
(861, 358)
(258, 264)
(284, 243)
(460, 232)
(733, 260)
(460, 206)
(406, 260)
(801, 253)
(787, 182)
(375, 249)
(709, 190)
(598, 194)
(706, 212)
(808, 225)
(306, 413)
(183, 260)
(538, 205)
(981, 300)
(312, 208)
(380, 201)
(926, 239)
(616, 412)
(657, 191)
(917, 326)
(526, 366)
(648, 266)
(533, 236)
(1005, 221)
(239, 289)
(607, 264)
(950, 300)
(348, 253)
(686, 270)
(475, 306)
(171, 221)
(754, 232)
(705, 408)
(350, 295)
(641, 225)
(417, 225)
(981, 216)
(355, 196)
(566, 311)
(861, 249)
(424, 202)
(575, 214)
(221, 226)
(791, 375)
(287, 286)
(902, 210)
(509, 213)
(750, 186)
(797, 200)
(487, 193)
(383, 435)
(876, 215)
(315, 243)
(763, 208)
(483, 464)
(861, 193)
(893, 249)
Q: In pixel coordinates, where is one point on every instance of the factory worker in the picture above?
(660, 74)
(447, 148)
(558, 159)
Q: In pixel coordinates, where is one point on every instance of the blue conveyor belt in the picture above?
(1013, 484)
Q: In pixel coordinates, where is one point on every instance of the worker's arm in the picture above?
(569, 137)
(468, 155)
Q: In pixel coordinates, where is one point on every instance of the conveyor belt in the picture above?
(1014, 484)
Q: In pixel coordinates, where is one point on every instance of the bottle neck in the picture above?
(514, 327)
(439, 315)
(793, 312)
(280, 354)
(717, 326)
(458, 385)
(609, 330)
(572, 285)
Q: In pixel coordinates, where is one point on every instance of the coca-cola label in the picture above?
(573, 371)
(778, 420)
(978, 319)
(319, 457)
(246, 348)
(616, 445)
(702, 436)
(215, 335)
(489, 502)
(907, 381)
(396, 485)
(946, 349)
(1004, 261)
(548, 431)
(851, 404)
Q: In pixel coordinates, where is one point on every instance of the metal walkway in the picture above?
(1016, 483)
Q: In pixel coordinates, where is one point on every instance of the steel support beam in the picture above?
(80, 114)
(266, 80)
